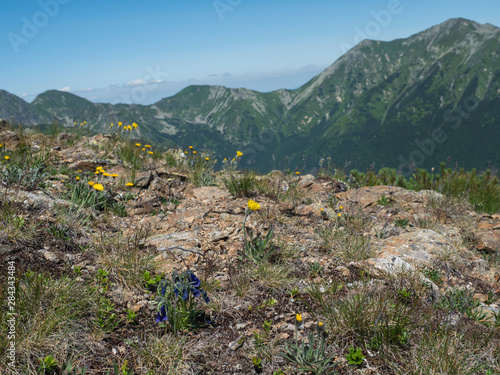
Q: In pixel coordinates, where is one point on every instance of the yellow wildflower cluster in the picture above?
(231, 165)
(126, 127)
(95, 184)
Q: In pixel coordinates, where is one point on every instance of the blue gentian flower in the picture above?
(190, 284)
(162, 315)
(185, 283)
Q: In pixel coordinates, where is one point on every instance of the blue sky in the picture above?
(141, 51)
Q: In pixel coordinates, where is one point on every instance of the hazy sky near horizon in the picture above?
(141, 51)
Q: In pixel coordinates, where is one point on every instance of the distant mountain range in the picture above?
(432, 97)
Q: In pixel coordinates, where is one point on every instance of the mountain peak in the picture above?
(456, 27)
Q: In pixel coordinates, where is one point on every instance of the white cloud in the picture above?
(141, 82)
(66, 88)
(137, 82)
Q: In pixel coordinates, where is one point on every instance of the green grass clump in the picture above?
(126, 259)
(241, 185)
(14, 228)
(52, 314)
(200, 169)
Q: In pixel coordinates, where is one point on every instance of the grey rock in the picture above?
(4, 249)
(50, 256)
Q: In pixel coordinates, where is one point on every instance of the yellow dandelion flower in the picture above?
(114, 175)
(225, 159)
(320, 324)
(91, 183)
(1, 145)
(147, 146)
(138, 144)
(74, 122)
(143, 149)
(339, 214)
(77, 178)
(85, 122)
(135, 125)
(297, 173)
(185, 152)
(341, 207)
(129, 184)
(298, 318)
(120, 123)
(321, 210)
(207, 159)
(98, 187)
(6, 157)
(194, 152)
(112, 124)
(96, 172)
(150, 152)
(79, 171)
(239, 154)
(190, 147)
(253, 206)
(105, 174)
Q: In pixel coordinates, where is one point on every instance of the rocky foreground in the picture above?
(332, 238)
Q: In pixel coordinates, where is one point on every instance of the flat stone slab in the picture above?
(489, 241)
(418, 248)
(206, 193)
(188, 240)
